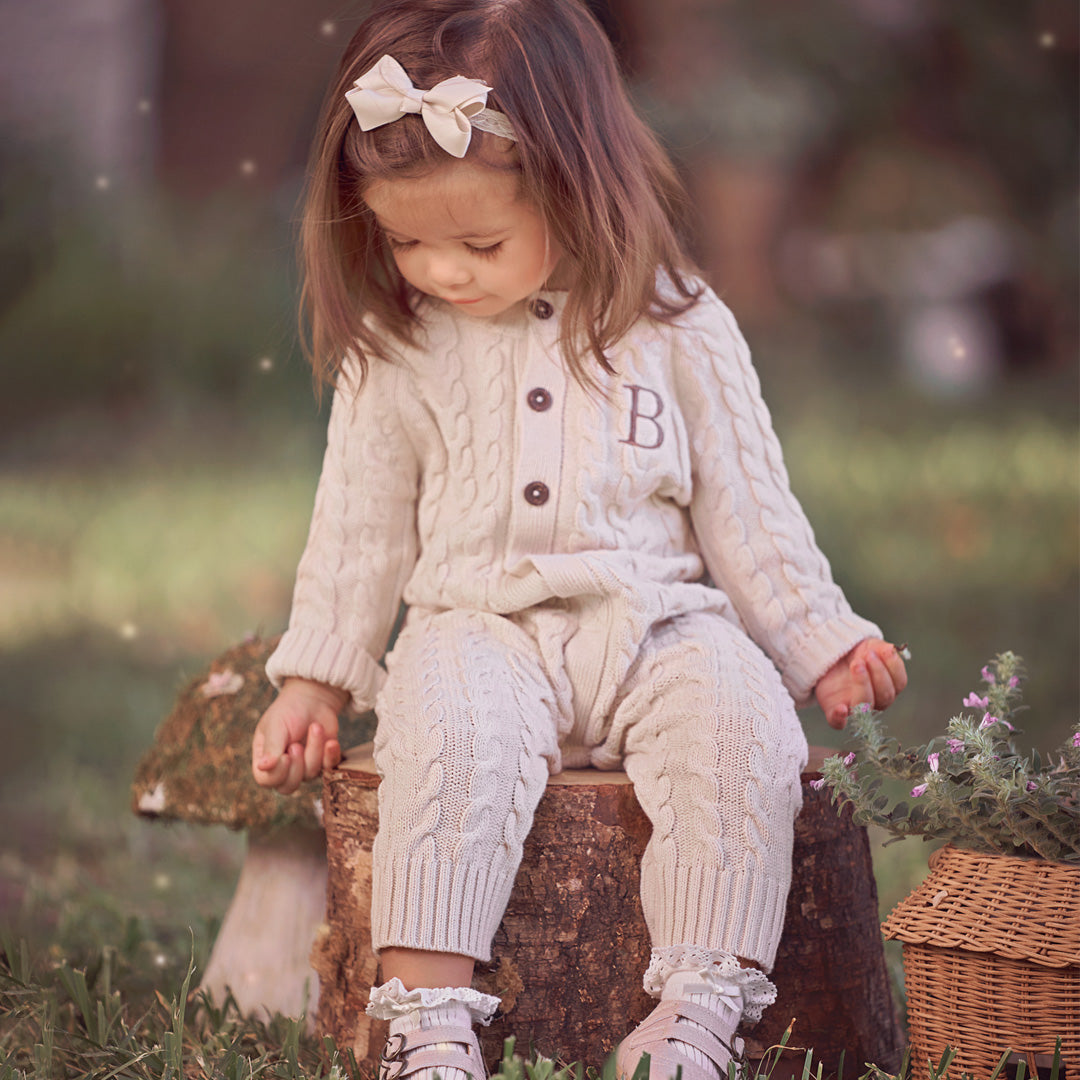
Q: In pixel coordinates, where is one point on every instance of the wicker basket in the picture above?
(991, 960)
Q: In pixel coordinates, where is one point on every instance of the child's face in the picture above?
(462, 234)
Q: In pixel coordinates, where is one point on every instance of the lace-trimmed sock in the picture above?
(451, 1015)
(726, 1007)
(703, 996)
(417, 1017)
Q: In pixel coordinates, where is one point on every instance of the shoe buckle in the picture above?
(390, 1063)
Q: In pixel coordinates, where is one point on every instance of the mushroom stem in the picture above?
(263, 947)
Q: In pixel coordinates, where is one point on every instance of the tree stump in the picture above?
(570, 952)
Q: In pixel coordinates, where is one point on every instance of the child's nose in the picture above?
(446, 270)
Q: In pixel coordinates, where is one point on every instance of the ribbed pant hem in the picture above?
(739, 913)
(438, 906)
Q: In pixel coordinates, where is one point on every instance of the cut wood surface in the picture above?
(570, 952)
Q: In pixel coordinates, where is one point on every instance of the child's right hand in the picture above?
(296, 738)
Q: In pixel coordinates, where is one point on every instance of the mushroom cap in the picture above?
(199, 766)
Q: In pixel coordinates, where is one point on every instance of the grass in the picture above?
(77, 1021)
(99, 1021)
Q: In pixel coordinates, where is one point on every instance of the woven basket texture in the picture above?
(991, 959)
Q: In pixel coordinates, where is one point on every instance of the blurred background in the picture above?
(884, 191)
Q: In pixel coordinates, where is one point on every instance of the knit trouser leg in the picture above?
(714, 748)
(466, 734)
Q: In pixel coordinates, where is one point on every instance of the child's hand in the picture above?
(296, 738)
(872, 673)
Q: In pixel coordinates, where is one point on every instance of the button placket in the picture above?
(540, 401)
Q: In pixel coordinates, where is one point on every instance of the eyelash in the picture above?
(485, 252)
(488, 252)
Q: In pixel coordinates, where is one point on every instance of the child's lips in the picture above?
(455, 300)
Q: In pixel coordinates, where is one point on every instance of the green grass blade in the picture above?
(1001, 1064)
(1055, 1065)
(943, 1064)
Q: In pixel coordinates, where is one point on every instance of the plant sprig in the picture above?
(970, 786)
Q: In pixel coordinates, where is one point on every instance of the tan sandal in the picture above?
(408, 1052)
(666, 1022)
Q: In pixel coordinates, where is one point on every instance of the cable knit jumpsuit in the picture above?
(552, 547)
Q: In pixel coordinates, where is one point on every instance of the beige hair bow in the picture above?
(450, 109)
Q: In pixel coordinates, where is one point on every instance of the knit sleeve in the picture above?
(755, 539)
(362, 545)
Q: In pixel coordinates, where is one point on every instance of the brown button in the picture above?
(539, 399)
(537, 493)
(541, 309)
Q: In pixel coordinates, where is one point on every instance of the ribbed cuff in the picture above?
(439, 906)
(820, 650)
(314, 654)
(737, 913)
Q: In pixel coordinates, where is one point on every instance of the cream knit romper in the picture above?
(552, 546)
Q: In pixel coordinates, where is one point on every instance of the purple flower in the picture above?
(918, 790)
(850, 759)
(989, 676)
(932, 761)
(1032, 786)
(988, 721)
(973, 701)
(1014, 681)
(818, 784)
(1076, 739)
(956, 746)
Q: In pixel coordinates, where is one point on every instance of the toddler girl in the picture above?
(547, 439)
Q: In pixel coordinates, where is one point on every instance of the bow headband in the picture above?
(450, 109)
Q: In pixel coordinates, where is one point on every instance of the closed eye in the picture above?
(485, 252)
(400, 245)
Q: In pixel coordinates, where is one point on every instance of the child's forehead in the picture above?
(458, 195)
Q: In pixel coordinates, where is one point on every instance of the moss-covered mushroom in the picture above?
(199, 771)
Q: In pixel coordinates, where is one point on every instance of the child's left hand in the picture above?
(872, 673)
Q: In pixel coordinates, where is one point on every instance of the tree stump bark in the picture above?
(570, 952)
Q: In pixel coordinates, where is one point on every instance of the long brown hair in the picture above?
(587, 162)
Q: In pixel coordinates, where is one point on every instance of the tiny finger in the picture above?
(266, 756)
(313, 751)
(862, 689)
(270, 771)
(897, 670)
(883, 690)
(331, 754)
(294, 770)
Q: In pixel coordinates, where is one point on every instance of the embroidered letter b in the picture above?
(636, 414)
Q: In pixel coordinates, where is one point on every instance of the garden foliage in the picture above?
(971, 786)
